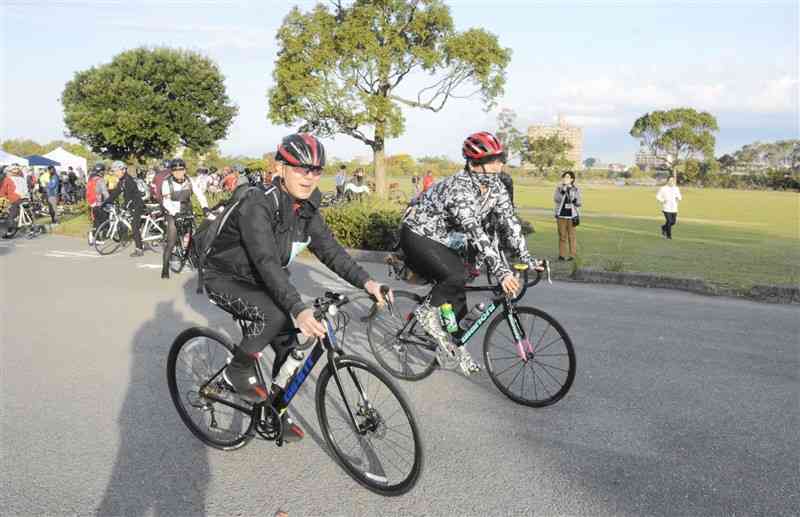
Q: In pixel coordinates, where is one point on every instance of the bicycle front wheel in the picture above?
(369, 426)
(539, 370)
(107, 238)
(399, 342)
(177, 258)
(194, 367)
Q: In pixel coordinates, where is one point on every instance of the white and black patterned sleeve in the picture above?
(513, 228)
(463, 207)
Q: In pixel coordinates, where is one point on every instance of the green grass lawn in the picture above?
(731, 238)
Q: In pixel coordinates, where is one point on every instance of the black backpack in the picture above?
(207, 232)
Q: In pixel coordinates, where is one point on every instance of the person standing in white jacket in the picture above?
(668, 196)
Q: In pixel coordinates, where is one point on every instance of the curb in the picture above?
(782, 294)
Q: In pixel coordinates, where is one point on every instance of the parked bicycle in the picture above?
(527, 353)
(117, 231)
(26, 220)
(366, 420)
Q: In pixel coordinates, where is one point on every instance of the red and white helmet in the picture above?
(482, 147)
(301, 150)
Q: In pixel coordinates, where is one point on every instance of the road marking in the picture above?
(71, 254)
(149, 266)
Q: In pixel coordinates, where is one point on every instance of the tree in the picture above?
(726, 162)
(403, 164)
(343, 69)
(589, 162)
(680, 134)
(147, 102)
(512, 139)
(22, 147)
(547, 153)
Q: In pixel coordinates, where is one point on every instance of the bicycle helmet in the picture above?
(177, 163)
(301, 150)
(482, 147)
(254, 178)
(99, 167)
(117, 165)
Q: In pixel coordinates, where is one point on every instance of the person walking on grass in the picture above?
(567, 199)
(669, 195)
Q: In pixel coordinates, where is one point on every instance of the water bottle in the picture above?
(448, 317)
(472, 315)
(293, 362)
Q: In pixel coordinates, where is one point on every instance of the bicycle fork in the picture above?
(524, 346)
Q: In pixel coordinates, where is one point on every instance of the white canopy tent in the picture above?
(67, 159)
(9, 159)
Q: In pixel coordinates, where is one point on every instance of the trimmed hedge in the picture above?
(371, 224)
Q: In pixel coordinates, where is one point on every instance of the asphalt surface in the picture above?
(682, 405)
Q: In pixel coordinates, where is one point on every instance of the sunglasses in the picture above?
(305, 171)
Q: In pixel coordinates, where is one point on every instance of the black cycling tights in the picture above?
(267, 320)
(172, 238)
(437, 262)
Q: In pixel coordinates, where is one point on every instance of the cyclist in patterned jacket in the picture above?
(462, 204)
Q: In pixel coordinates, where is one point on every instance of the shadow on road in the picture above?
(152, 476)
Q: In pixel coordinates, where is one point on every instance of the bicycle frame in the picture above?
(508, 305)
(329, 344)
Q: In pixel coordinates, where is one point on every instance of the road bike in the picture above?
(521, 343)
(25, 219)
(181, 253)
(117, 231)
(366, 420)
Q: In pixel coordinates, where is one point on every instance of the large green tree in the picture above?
(147, 102)
(345, 68)
(678, 134)
(547, 153)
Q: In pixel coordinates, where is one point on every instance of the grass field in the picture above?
(732, 238)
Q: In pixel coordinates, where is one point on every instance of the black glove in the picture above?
(206, 211)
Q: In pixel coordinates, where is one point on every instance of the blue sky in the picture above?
(600, 63)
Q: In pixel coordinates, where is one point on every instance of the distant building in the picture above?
(647, 160)
(616, 167)
(573, 135)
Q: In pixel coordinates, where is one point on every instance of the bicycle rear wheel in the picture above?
(398, 341)
(107, 238)
(384, 452)
(537, 372)
(194, 364)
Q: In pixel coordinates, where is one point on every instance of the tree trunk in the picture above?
(379, 161)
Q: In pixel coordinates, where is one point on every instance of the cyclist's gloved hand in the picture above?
(536, 265)
(374, 289)
(206, 211)
(510, 284)
(309, 325)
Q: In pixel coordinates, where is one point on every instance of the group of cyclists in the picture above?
(48, 188)
(246, 271)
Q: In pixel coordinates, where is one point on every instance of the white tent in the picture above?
(67, 159)
(8, 159)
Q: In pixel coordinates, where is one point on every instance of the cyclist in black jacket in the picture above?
(133, 198)
(247, 274)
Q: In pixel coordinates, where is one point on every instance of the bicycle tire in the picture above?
(106, 242)
(345, 364)
(495, 369)
(389, 353)
(201, 432)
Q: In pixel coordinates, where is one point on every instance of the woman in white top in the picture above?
(668, 196)
(176, 195)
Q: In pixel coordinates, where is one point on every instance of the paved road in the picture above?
(683, 405)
